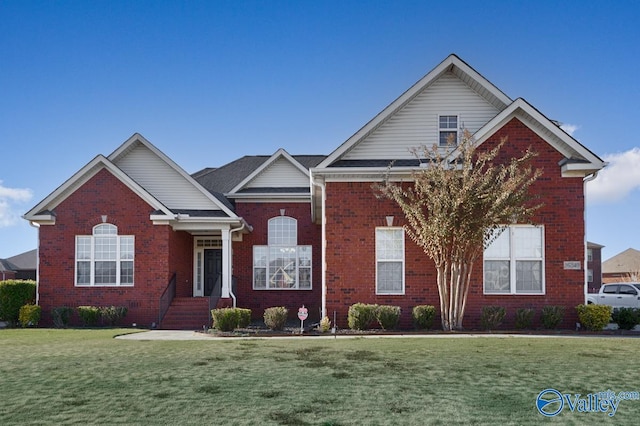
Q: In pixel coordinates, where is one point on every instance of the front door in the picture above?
(212, 270)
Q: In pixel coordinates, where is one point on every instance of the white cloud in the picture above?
(9, 197)
(617, 180)
(570, 128)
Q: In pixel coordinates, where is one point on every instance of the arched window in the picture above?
(282, 264)
(104, 258)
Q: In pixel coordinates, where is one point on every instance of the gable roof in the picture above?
(579, 161)
(624, 262)
(149, 173)
(232, 177)
(26, 260)
(43, 211)
(452, 63)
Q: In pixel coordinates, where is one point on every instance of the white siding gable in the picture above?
(416, 124)
(161, 180)
(280, 174)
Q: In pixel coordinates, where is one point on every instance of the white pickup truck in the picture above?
(617, 295)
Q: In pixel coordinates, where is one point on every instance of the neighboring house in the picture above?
(134, 229)
(594, 267)
(20, 267)
(623, 267)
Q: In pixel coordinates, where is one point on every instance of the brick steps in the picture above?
(187, 313)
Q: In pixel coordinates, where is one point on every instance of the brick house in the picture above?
(134, 229)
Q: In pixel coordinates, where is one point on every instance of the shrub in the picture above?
(524, 318)
(423, 316)
(29, 315)
(228, 319)
(551, 316)
(276, 317)
(89, 315)
(325, 324)
(13, 295)
(626, 318)
(61, 316)
(388, 316)
(111, 315)
(492, 316)
(594, 317)
(244, 317)
(361, 316)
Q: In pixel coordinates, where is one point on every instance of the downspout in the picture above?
(231, 231)
(323, 189)
(586, 180)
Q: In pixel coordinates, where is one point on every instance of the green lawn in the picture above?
(86, 376)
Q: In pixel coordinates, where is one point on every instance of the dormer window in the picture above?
(448, 129)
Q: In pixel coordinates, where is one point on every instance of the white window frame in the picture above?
(381, 258)
(282, 239)
(448, 129)
(92, 255)
(513, 259)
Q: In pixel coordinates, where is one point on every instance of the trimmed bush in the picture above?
(423, 316)
(89, 315)
(61, 316)
(276, 317)
(361, 316)
(325, 324)
(594, 317)
(524, 318)
(551, 316)
(111, 315)
(29, 315)
(388, 316)
(492, 317)
(626, 318)
(244, 317)
(228, 319)
(14, 294)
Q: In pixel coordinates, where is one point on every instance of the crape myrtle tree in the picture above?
(456, 206)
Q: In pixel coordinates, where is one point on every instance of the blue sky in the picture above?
(208, 82)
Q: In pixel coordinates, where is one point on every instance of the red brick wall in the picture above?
(257, 215)
(353, 212)
(104, 194)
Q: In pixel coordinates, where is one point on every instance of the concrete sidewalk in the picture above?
(195, 335)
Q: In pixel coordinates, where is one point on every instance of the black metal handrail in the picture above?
(167, 297)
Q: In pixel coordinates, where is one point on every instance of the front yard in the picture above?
(87, 377)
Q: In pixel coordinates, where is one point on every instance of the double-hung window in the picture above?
(447, 130)
(514, 261)
(282, 264)
(389, 260)
(104, 258)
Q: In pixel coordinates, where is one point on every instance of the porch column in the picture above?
(226, 264)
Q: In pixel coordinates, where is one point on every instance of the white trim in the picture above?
(80, 178)
(529, 116)
(280, 153)
(452, 62)
(403, 261)
(138, 138)
(512, 265)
